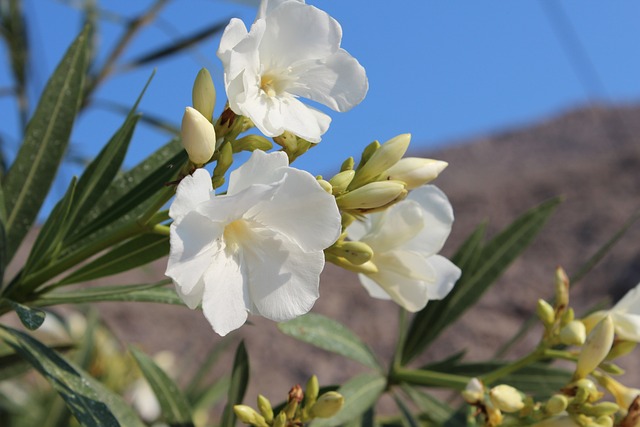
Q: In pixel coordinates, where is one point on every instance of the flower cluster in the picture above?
(259, 248)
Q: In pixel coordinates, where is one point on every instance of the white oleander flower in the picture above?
(405, 239)
(258, 249)
(625, 315)
(292, 50)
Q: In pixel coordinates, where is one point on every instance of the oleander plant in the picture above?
(248, 235)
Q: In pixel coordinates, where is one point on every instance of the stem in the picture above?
(538, 354)
(160, 229)
(429, 378)
(402, 335)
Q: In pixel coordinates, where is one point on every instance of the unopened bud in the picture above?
(347, 164)
(225, 159)
(203, 94)
(341, 181)
(295, 397)
(621, 348)
(288, 141)
(573, 333)
(506, 398)
(367, 153)
(387, 155)
(326, 185)
(562, 289)
(366, 268)
(595, 348)
(371, 196)
(568, 316)
(198, 136)
(311, 391)
(248, 415)
(604, 421)
(585, 390)
(327, 405)
(252, 143)
(624, 395)
(545, 312)
(280, 420)
(602, 408)
(355, 252)
(415, 171)
(473, 392)
(561, 421)
(264, 406)
(556, 404)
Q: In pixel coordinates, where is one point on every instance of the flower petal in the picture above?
(283, 279)
(374, 290)
(192, 190)
(261, 168)
(194, 297)
(266, 6)
(339, 81)
(630, 303)
(438, 219)
(447, 274)
(233, 34)
(627, 326)
(394, 227)
(223, 301)
(301, 210)
(302, 120)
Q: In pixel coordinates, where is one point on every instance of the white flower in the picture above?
(625, 315)
(292, 50)
(405, 240)
(258, 249)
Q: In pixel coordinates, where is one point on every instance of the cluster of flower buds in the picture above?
(492, 403)
(197, 132)
(301, 407)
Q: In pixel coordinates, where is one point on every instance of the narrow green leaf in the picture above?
(193, 390)
(90, 402)
(407, 416)
(31, 318)
(238, 386)
(329, 335)
(175, 407)
(434, 410)
(50, 235)
(360, 393)
(212, 394)
(154, 292)
(46, 138)
(136, 252)
(493, 260)
(14, 31)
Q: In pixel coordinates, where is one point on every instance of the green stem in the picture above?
(429, 378)
(160, 229)
(502, 372)
(402, 336)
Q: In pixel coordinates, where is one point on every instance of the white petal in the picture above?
(374, 290)
(301, 210)
(395, 226)
(302, 120)
(243, 55)
(359, 228)
(223, 301)
(233, 34)
(447, 274)
(298, 32)
(630, 303)
(339, 81)
(438, 219)
(409, 293)
(193, 241)
(192, 190)
(627, 326)
(283, 279)
(193, 298)
(261, 168)
(264, 111)
(266, 6)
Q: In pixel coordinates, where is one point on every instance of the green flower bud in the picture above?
(347, 164)
(311, 392)
(415, 171)
(198, 136)
(280, 420)
(326, 186)
(367, 268)
(264, 406)
(355, 252)
(545, 312)
(556, 404)
(585, 391)
(367, 153)
(288, 141)
(248, 415)
(621, 348)
(371, 196)
(251, 143)
(573, 333)
(382, 159)
(225, 159)
(341, 181)
(602, 408)
(203, 95)
(624, 395)
(604, 421)
(506, 398)
(327, 405)
(473, 392)
(568, 316)
(562, 289)
(595, 348)
(562, 421)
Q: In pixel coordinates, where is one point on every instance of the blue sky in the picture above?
(441, 70)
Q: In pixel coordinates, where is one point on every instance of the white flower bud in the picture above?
(387, 155)
(326, 186)
(473, 392)
(372, 195)
(327, 405)
(415, 171)
(203, 94)
(506, 398)
(596, 348)
(545, 312)
(198, 136)
(573, 333)
(624, 395)
(556, 404)
(341, 181)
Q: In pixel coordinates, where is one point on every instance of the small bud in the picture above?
(367, 153)
(280, 420)
(473, 392)
(595, 348)
(556, 404)
(295, 397)
(252, 143)
(602, 408)
(203, 95)
(264, 406)
(371, 196)
(366, 268)
(225, 159)
(621, 348)
(198, 136)
(415, 171)
(568, 316)
(311, 391)
(604, 421)
(562, 289)
(341, 181)
(248, 415)
(506, 398)
(573, 333)
(624, 395)
(545, 312)
(347, 164)
(355, 252)
(382, 159)
(585, 390)
(326, 185)
(327, 405)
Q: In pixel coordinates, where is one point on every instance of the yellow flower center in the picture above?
(234, 233)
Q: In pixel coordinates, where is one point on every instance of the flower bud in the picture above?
(251, 143)
(327, 405)
(382, 159)
(604, 421)
(473, 392)
(624, 395)
(248, 415)
(371, 196)
(621, 348)
(584, 390)
(562, 289)
(556, 404)
(311, 391)
(366, 268)
(225, 159)
(203, 95)
(573, 333)
(355, 252)
(280, 420)
(341, 181)
(198, 136)
(602, 408)
(264, 406)
(595, 348)
(415, 171)
(506, 398)
(347, 164)
(545, 312)
(326, 186)
(562, 421)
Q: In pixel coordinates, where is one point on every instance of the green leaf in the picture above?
(90, 402)
(194, 389)
(408, 419)
(136, 252)
(434, 410)
(360, 393)
(331, 336)
(212, 394)
(493, 260)
(175, 408)
(46, 138)
(31, 318)
(154, 292)
(14, 31)
(238, 386)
